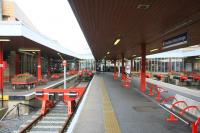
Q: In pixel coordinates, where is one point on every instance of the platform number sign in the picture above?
(175, 41)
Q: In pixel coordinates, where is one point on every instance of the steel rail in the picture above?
(30, 125)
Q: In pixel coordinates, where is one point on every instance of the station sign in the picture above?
(175, 41)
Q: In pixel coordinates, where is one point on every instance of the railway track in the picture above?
(54, 121)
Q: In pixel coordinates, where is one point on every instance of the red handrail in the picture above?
(188, 107)
(168, 98)
(177, 102)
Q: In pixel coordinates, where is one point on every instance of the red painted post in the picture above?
(123, 69)
(39, 67)
(151, 90)
(143, 69)
(194, 127)
(158, 98)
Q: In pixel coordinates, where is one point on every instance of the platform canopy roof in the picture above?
(23, 38)
(178, 53)
(136, 22)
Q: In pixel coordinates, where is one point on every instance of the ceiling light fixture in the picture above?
(133, 55)
(143, 6)
(4, 40)
(117, 41)
(108, 52)
(60, 56)
(153, 50)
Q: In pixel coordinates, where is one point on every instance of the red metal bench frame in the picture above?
(157, 88)
(172, 118)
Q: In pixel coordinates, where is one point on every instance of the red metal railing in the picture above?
(68, 96)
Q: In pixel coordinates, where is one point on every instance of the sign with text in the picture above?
(175, 41)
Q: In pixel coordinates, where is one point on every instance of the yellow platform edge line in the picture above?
(110, 120)
(5, 97)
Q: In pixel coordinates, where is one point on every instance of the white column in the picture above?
(118, 69)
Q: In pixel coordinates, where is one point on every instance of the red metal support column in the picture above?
(143, 69)
(123, 69)
(39, 66)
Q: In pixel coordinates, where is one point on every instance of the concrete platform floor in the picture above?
(134, 112)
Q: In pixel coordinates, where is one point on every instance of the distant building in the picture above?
(11, 12)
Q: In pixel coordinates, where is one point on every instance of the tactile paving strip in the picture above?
(110, 119)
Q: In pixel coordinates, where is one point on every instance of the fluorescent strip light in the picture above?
(133, 55)
(117, 41)
(4, 40)
(108, 52)
(60, 56)
(29, 50)
(153, 50)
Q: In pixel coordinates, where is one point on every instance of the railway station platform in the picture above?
(108, 107)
